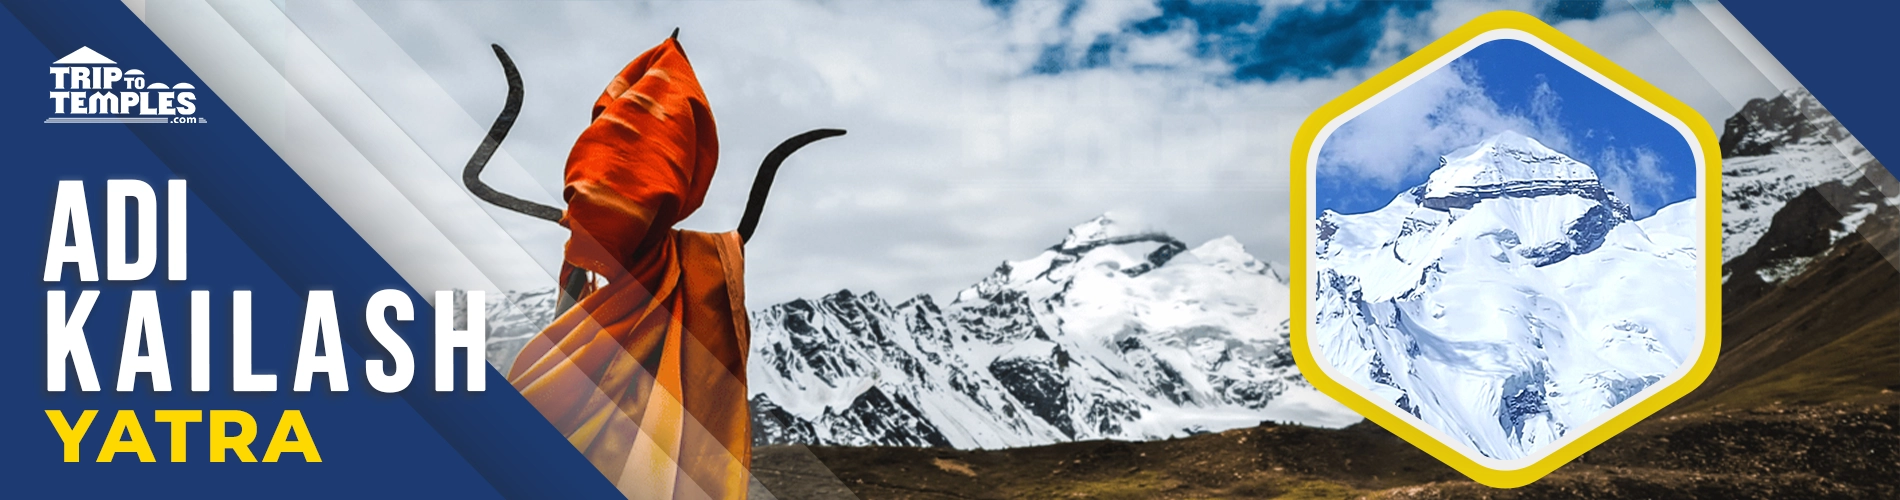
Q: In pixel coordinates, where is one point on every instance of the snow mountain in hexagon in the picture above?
(1509, 300)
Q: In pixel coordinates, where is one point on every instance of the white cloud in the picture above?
(1636, 176)
(1400, 138)
(958, 157)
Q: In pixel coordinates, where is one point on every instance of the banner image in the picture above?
(946, 249)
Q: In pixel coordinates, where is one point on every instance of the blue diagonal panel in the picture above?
(1841, 51)
(254, 226)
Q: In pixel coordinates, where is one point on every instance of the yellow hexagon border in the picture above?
(1383, 414)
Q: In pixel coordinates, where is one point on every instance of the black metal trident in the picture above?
(471, 174)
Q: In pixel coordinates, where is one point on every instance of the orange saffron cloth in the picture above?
(646, 374)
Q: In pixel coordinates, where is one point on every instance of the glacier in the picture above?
(1509, 300)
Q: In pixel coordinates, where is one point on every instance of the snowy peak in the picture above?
(1228, 254)
(1535, 202)
(1508, 165)
(1100, 228)
(1504, 158)
(1102, 242)
(1794, 117)
(1104, 230)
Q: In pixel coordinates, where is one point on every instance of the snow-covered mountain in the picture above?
(1112, 333)
(1773, 150)
(1795, 184)
(1507, 300)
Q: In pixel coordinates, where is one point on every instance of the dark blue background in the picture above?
(254, 225)
(1843, 53)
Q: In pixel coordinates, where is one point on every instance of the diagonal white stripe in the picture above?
(429, 183)
(251, 78)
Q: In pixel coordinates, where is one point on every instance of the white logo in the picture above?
(90, 88)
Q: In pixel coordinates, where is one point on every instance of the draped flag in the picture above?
(646, 374)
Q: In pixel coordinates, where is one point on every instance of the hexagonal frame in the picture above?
(1528, 29)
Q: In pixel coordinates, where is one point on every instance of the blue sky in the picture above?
(1266, 40)
(1502, 85)
(1257, 44)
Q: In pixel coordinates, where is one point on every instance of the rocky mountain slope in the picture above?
(1772, 151)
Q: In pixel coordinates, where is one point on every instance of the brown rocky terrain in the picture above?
(1833, 450)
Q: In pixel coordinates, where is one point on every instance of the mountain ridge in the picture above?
(1113, 332)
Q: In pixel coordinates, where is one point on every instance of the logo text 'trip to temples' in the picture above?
(90, 88)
